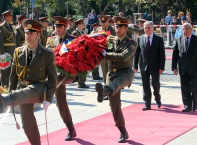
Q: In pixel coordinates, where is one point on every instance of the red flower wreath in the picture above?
(83, 55)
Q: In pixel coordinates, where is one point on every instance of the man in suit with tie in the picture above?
(120, 74)
(32, 80)
(150, 55)
(61, 24)
(184, 57)
(7, 43)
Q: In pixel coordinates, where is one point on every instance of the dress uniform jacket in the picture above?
(7, 45)
(42, 67)
(104, 65)
(70, 30)
(120, 74)
(20, 36)
(77, 32)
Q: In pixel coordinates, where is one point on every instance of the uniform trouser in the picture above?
(146, 86)
(104, 67)
(26, 98)
(116, 84)
(61, 99)
(5, 77)
(81, 80)
(189, 90)
(95, 72)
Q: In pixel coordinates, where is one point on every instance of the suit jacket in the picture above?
(155, 59)
(7, 36)
(42, 67)
(185, 59)
(20, 36)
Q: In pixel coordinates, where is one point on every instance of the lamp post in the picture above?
(66, 5)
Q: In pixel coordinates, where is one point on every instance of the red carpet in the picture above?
(154, 127)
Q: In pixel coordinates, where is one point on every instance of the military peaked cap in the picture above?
(141, 20)
(96, 24)
(59, 20)
(120, 21)
(103, 18)
(7, 13)
(79, 21)
(43, 19)
(32, 26)
(22, 17)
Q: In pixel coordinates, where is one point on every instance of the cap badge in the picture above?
(118, 22)
(29, 26)
(57, 22)
(102, 18)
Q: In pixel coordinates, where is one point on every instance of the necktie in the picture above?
(148, 45)
(60, 40)
(118, 42)
(29, 57)
(187, 43)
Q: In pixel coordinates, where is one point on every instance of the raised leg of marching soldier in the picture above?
(63, 107)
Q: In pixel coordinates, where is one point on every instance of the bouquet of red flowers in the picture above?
(80, 56)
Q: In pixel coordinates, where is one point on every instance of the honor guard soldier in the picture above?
(120, 74)
(32, 80)
(20, 34)
(95, 71)
(70, 28)
(44, 33)
(78, 32)
(61, 24)
(7, 43)
(105, 25)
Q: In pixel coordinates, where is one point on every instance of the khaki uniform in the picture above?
(7, 45)
(104, 64)
(120, 74)
(20, 36)
(30, 87)
(60, 93)
(70, 30)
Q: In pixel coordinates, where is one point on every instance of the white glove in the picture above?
(45, 105)
(104, 53)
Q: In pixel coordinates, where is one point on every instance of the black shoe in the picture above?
(106, 98)
(187, 109)
(158, 104)
(3, 106)
(100, 91)
(146, 107)
(83, 86)
(124, 134)
(195, 109)
(71, 135)
(97, 78)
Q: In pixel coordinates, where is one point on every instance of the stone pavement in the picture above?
(83, 105)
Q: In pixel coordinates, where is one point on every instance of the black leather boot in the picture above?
(124, 134)
(72, 132)
(3, 105)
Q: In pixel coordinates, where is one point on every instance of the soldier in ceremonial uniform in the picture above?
(70, 28)
(44, 33)
(61, 24)
(78, 32)
(95, 71)
(33, 79)
(120, 74)
(20, 34)
(7, 43)
(138, 30)
(105, 25)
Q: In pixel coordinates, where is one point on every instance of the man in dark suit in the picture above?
(150, 55)
(33, 74)
(184, 55)
(120, 74)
